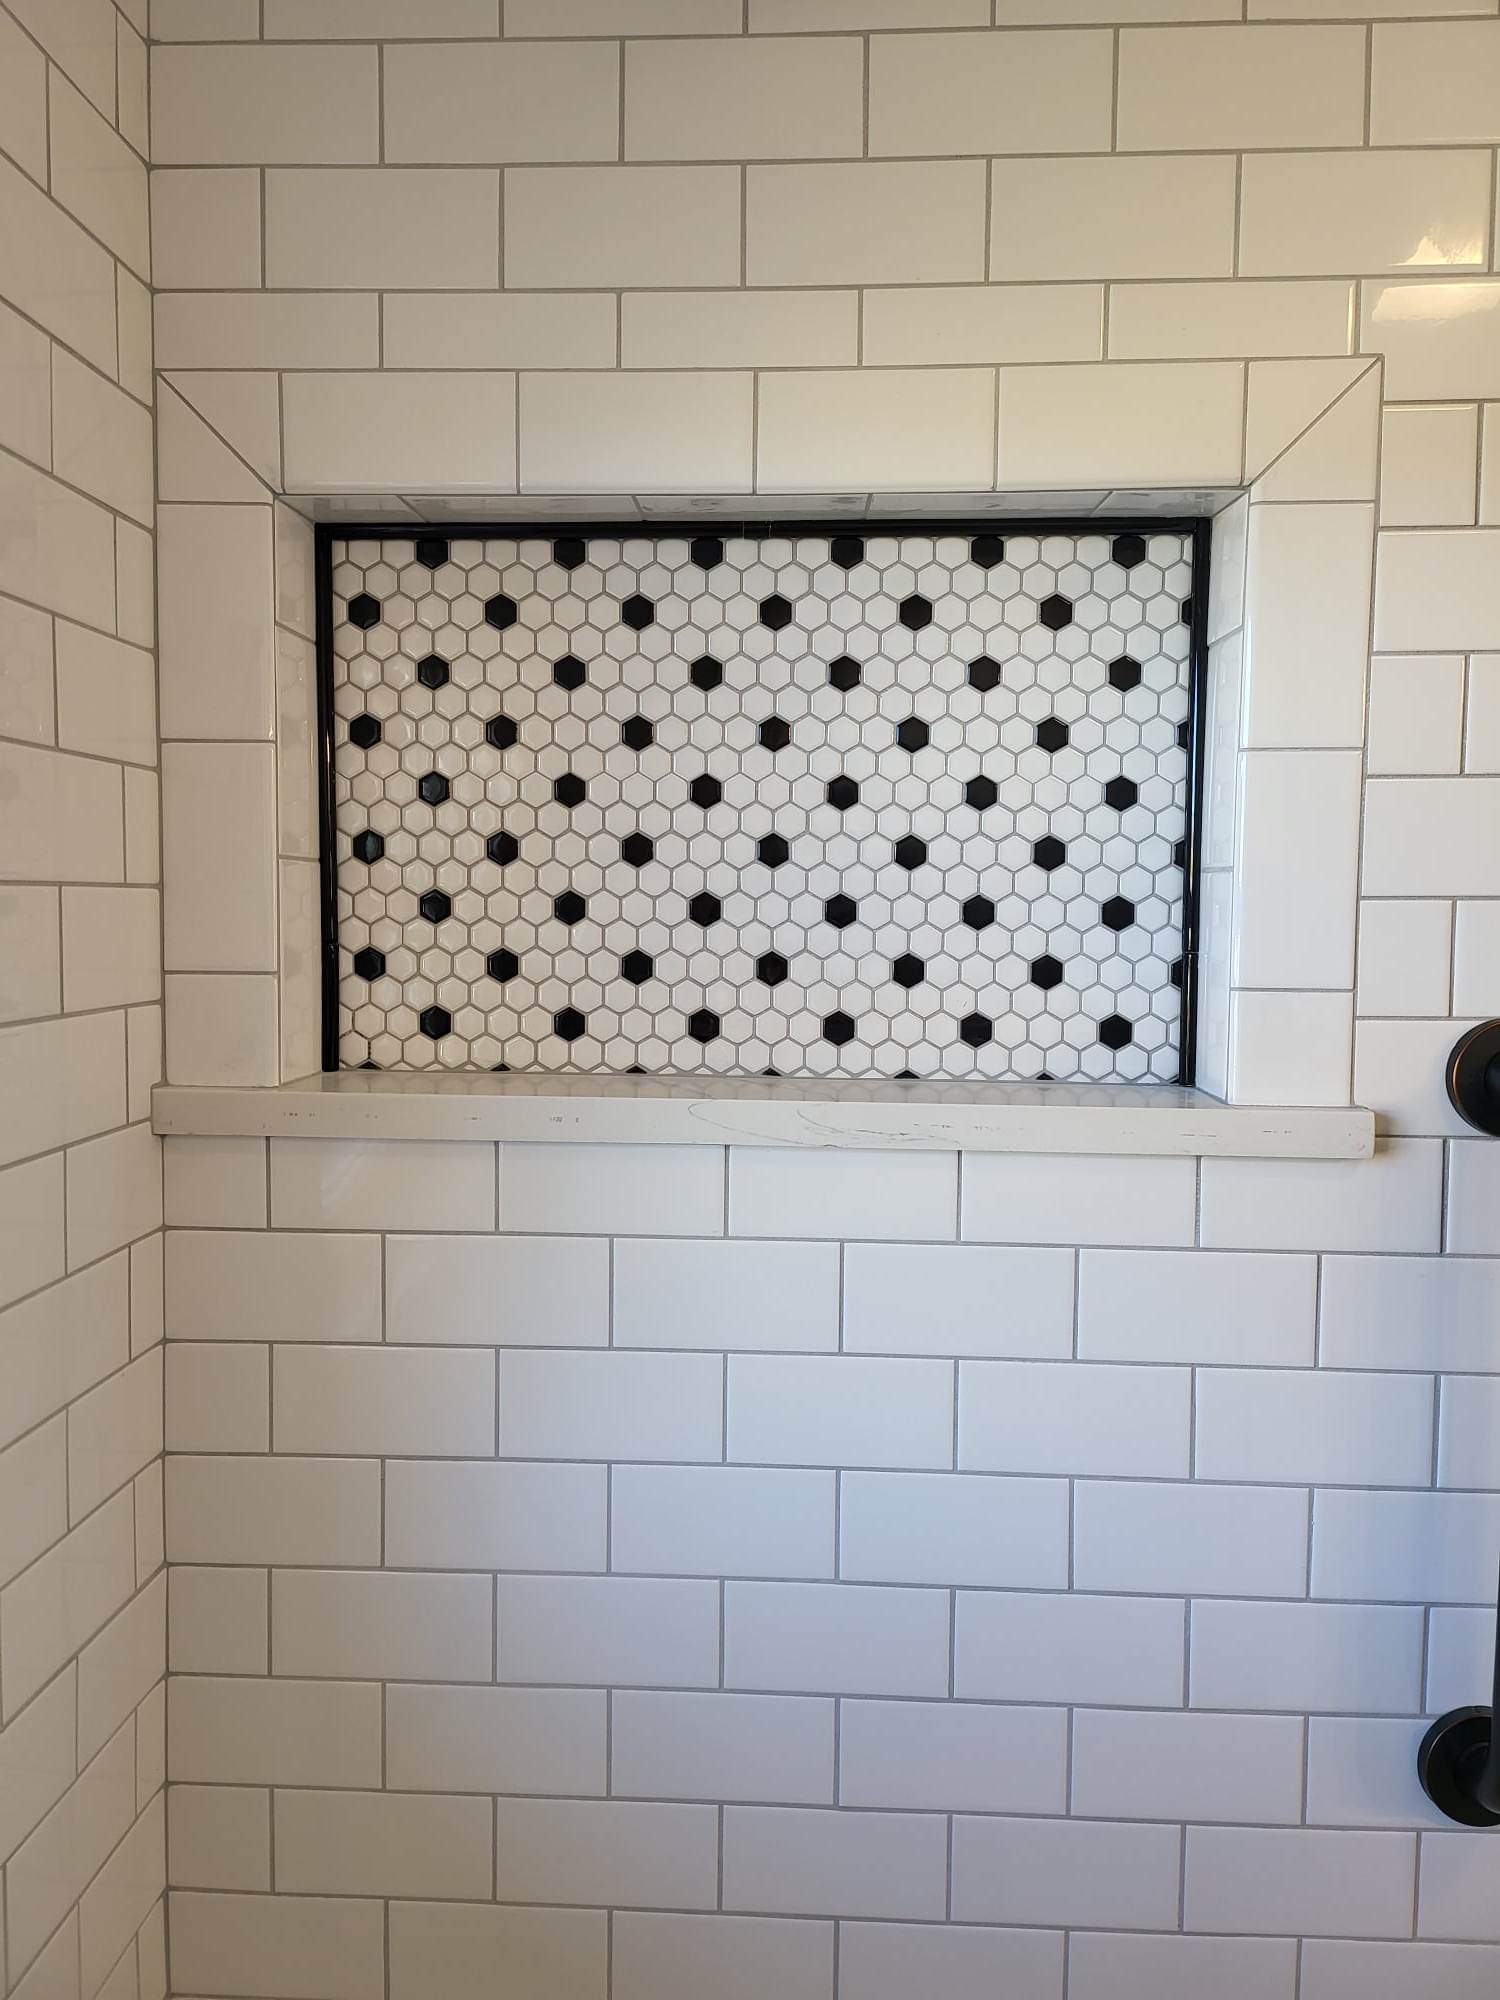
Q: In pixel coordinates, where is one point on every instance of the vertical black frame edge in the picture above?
(1199, 528)
(1192, 879)
(324, 536)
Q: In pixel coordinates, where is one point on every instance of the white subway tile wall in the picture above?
(83, 1589)
(850, 1570)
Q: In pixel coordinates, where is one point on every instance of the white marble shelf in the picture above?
(1148, 1119)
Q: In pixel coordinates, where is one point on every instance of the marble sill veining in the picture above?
(1109, 1119)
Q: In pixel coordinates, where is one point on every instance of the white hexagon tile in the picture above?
(881, 803)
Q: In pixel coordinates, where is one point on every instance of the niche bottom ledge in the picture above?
(1146, 1119)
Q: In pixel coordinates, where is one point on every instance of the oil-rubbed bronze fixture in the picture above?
(1459, 1761)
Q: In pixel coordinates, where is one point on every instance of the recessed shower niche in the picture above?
(911, 799)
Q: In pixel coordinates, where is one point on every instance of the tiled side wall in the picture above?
(82, 1584)
(726, 254)
(860, 1573)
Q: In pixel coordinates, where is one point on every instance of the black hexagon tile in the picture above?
(865, 803)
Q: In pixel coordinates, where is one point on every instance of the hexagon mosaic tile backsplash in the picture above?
(875, 803)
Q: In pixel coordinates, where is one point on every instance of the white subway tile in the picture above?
(1332, 1968)
(623, 1855)
(854, 1864)
(1327, 454)
(344, 1624)
(1331, 599)
(1039, 1871)
(583, 433)
(38, 1761)
(106, 696)
(125, 1898)
(218, 1837)
(460, 1739)
(948, 1528)
(114, 1432)
(216, 611)
(613, 1190)
(207, 21)
(1037, 1416)
(60, 1343)
(267, 330)
(114, 1192)
(30, 953)
(53, 1608)
(1311, 213)
(607, 1631)
(1388, 1203)
(1428, 461)
(1144, 422)
(607, 1406)
(1232, 1541)
(1473, 1210)
(1150, 1765)
(23, 99)
(218, 1397)
(872, 222)
(1410, 1548)
(952, 1757)
(1437, 591)
(917, 430)
(891, 1961)
(58, 551)
(1112, 218)
(111, 947)
(1078, 1199)
(1436, 82)
(333, 1184)
(63, 1080)
(55, 273)
(1313, 1427)
(1298, 1881)
(1405, 949)
(921, 326)
(840, 1410)
(612, 226)
(1400, 1066)
(375, 1843)
(779, 1191)
(1359, 1773)
(1482, 730)
(1406, 1312)
(1296, 925)
(1438, 338)
(252, 1286)
(501, 102)
(214, 1183)
(1225, 321)
(34, 1489)
(1164, 1306)
(755, 1749)
(97, 177)
(205, 228)
(1416, 714)
(1476, 956)
(370, 432)
(49, 1872)
(1240, 87)
(25, 427)
(467, 1951)
(475, 1516)
(988, 93)
(726, 1295)
(282, 1944)
(721, 1521)
(377, 1401)
(218, 834)
(1457, 1899)
(742, 329)
(1117, 1966)
(495, 1291)
(1469, 1432)
(231, 105)
(800, 1638)
(330, 228)
(735, 1958)
(263, 1510)
(135, 585)
(502, 330)
(811, 16)
(31, 1227)
(253, 1731)
(733, 98)
(904, 1299)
